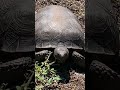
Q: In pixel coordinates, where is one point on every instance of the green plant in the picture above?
(44, 74)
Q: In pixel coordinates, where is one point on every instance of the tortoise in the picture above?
(16, 40)
(102, 42)
(102, 34)
(16, 30)
(57, 28)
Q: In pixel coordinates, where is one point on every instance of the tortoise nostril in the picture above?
(61, 53)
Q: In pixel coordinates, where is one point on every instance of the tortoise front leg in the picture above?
(102, 71)
(78, 59)
(102, 76)
(40, 56)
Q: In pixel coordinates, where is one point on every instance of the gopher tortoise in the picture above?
(57, 28)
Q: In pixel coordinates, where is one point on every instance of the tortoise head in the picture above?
(61, 53)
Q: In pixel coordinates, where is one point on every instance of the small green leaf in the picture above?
(56, 78)
(41, 78)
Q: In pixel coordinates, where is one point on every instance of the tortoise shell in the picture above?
(17, 26)
(57, 25)
(101, 34)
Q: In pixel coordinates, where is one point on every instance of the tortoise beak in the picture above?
(61, 54)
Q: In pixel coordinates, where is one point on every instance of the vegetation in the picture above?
(45, 76)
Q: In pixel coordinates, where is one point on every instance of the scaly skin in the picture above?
(103, 71)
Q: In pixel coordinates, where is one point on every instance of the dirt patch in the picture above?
(76, 82)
